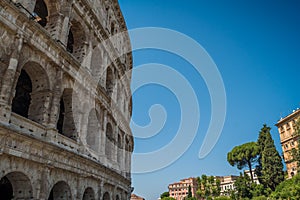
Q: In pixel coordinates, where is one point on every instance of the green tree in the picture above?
(168, 198)
(261, 145)
(243, 186)
(244, 156)
(271, 163)
(208, 187)
(189, 192)
(165, 194)
(288, 189)
(296, 151)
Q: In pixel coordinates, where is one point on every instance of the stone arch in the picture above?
(61, 190)
(88, 194)
(109, 84)
(97, 59)
(76, 40)
(65, 123)
(32, 88)
(112, 27)
(106, 196)
(15, 185)
(120, 147)
(41, 12)
(93, 130)
(109, 141)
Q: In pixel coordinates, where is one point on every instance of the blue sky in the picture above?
(256, 47)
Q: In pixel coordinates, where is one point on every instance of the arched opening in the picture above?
(96, 62)
(76, 41)
(109, 81)
(119, 153)
(60, 190)
(15, 185)
(32, 93)
(60, 121)
(88, 194)
(93, 130)
(70, 42)
(21, 101)
(106, 196)
(65, 123)
(41, 12)
(109, 141)
(6, 189)
(112, 28)
(117, 197)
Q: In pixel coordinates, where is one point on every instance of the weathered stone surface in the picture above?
(64, 123)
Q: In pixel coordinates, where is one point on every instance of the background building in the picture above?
(227, 184)
(255, 178)
(286, 128)
(136, 197)
(179, 190)
(65, 102)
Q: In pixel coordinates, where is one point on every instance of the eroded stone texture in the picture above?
(65, 101)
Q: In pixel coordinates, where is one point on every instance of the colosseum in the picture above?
(65, 100)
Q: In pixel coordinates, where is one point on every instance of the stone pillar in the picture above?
(9, 80)
(44, 190)
(55, 102)
(39, 106)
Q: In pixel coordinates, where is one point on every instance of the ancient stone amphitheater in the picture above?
(65, 100)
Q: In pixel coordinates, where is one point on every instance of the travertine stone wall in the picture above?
(74, 142)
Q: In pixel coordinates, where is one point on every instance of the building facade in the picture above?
(65, 100)
(289, 141)
(136, 197)
(255, 178)
(227, 184)
(179, 190)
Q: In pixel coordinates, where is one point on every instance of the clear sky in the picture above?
(256, 48)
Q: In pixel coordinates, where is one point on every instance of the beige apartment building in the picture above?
(179, 190)
(286, 128)
(227, 184)
(136, 197)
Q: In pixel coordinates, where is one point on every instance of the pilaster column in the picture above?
(9, 80)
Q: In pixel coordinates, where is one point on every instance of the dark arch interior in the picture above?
(70, 44)
(60, 191)
(6, 189)
(42, 12)
(21, 101)
(106, 196)
(60, 121)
